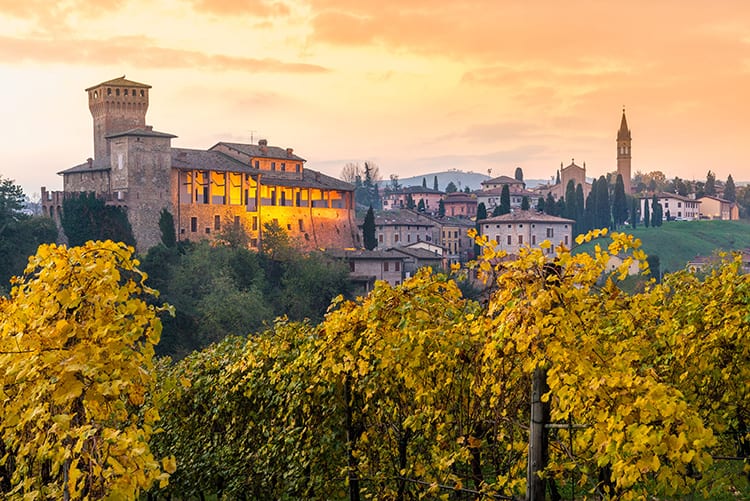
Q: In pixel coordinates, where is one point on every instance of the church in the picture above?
(577, 173)
(136, 167)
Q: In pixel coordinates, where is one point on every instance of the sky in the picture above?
(415, 86)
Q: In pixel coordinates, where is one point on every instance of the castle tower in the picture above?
(117, 106)
(623, 152)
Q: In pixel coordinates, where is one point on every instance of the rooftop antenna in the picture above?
(252, 139)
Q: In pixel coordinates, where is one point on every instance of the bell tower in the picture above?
(623, 152)
(116, 106)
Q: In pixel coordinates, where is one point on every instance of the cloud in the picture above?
(55, 15)
(258, 8)
(137, 51)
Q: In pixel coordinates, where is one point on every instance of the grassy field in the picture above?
(677, 242)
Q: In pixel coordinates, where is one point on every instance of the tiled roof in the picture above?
(674, 196)
(364, 254)
(190, 159)
(415, 190)
(120, 82)
(422, 254)
(141, 132)
(722, 200)
(459, 197)
(502, 180)
(526, 216)
(87, 167)
(402, 217)
(255, 150)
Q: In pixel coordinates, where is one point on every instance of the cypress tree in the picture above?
(441, 208)
(570, 200)
(420, 206)
(646, 215)
(424, 183)
(481, 214)
(540, 204)
(580, 210)
(619, 203)
(549, 205)
(435, 184)
(730, 190)
(634, 212)
(505, 200)
(525, 205)
(603, 207)
(368, 230)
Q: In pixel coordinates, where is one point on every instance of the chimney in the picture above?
(149, 127)
(90, 161)
(262, 142)
(289, 152)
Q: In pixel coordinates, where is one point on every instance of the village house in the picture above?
(366, 266)
(680, 207)
(717, 208)
(460, 204)
(399, 199)
(527, 229)
(136, 168)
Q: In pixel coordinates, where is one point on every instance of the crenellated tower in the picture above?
(623, 152)
(116, 106)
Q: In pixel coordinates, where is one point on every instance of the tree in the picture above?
(424, 183)
(394, 185)
(451, 188)
(20, 234)
(550, 206)
(166, 226)
(435, 183)
(351, 172)
(634, 212)
(519, 174)
(729, 190)
(481, 215)
(570, 200)
(580, 216)
(557, 180)
(646, 215)
(441, 208)
(86, 217)
(619, 203)
(525, 205)
(368, 230)
(420, 205)
(11, 203)
(603, 207)
(710, 187)
(505, 200)
(276, 243)
(76, 422)
(410, 201)
(540, 204)
(656, 212)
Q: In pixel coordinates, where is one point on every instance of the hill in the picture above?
(677, 242)
(461, 179)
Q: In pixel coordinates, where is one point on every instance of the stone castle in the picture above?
(137, 168)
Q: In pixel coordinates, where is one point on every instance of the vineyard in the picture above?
(413, 392)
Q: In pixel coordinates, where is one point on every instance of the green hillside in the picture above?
(677, 242)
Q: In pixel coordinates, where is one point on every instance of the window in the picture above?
(109, 91)
(217, 223)
(255, 223)
(397, 266)
(273, 165)
(257, 164)
(380, 238)
(143, 93)
(117, 92)
(125, 92)
(408, 237)
(283, 167)
(679, 204)
(509, 239)
(385, 266)
(301, 225)
(520, 239)
(566, 240)
(298, 167)
(550, 232)
(351, 266)
(533, 239)
(193, 224)
(395, 238)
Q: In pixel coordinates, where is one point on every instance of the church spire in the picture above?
(624, 132)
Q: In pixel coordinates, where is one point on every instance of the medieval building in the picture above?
(623, 152)
(137, 168)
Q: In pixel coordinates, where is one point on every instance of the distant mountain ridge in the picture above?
(461, 179)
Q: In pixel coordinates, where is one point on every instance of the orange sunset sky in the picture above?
(414, 85)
